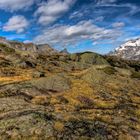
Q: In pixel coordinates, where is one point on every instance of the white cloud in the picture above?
(27, 41)
(76, 14)
(51, 10)
(105, 1)
(99, 19)
(16, 23)
(118, 24)
(14, 5)
(70, 35)
(95, 43)
(133, 9)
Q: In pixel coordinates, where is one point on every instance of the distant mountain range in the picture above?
(130, 50)
(30, 47)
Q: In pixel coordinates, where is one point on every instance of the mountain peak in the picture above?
(129, 50)
(64, 51)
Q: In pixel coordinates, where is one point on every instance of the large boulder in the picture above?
(26, 64)
(53, 83)
(94, 75)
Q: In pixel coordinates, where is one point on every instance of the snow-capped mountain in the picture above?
(129, 50)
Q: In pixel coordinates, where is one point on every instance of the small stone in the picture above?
(38, 131)
(109, 137)
(125, 137)
(117, 120)
(59, 126)
(38, 74)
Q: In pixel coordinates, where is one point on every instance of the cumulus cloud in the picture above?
(16, 23)
(70, 35)
(14, 5)
(118, 24)
(51, 10)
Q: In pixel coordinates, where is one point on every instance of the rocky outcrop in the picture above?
(43, 49)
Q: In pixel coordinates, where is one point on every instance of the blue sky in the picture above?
(78, 25)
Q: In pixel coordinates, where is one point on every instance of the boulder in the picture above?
(53, 83)
(38, 74)
(27, 64)
(95, 75)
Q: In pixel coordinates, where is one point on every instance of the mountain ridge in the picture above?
(31, 47)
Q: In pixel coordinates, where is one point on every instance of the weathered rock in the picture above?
(53, 83)
(26, 64)
(38, 74)
(94, 76)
